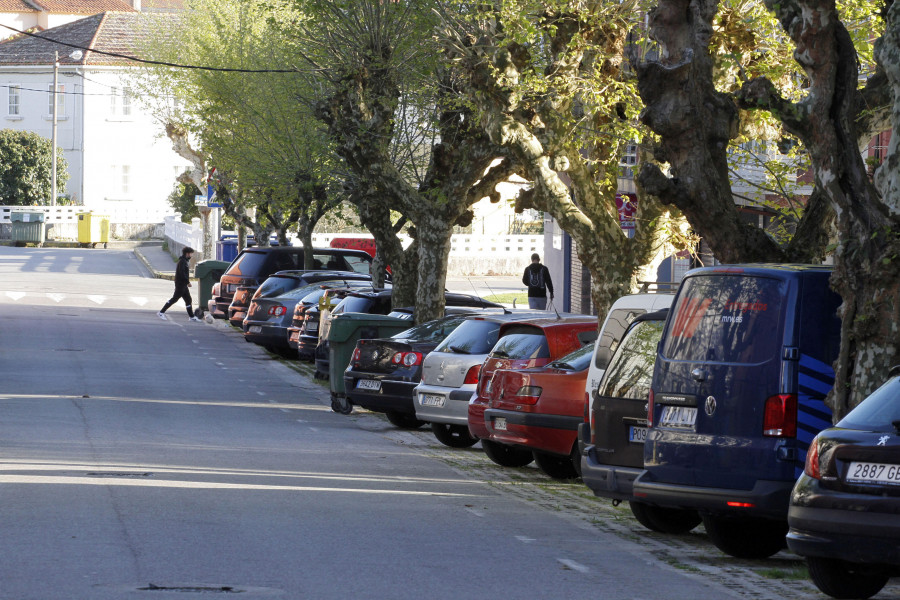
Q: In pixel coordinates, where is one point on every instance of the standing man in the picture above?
(537, 278)
(182, 283)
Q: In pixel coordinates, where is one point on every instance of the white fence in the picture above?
(184, 234)
(69, 214)
(497, 246)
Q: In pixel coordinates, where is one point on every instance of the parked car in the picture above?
(272, 306)
(303, 331)
(378, 302)
(450, 375)
(614, 457)
(844, 514)
(383, 373)
(523, 345)
(738, 393)
(540, 409)
(253, 265)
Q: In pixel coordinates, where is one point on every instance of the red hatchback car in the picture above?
(524, 345)
(539, 410)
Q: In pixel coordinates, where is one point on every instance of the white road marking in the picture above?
(97, 299)
(57, 297)
(263, 394)
(571, 564)
(316, 429)
(139, 300)
(477, 513)
(525, 540)
(15, 295)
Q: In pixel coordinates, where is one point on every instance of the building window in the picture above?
(120, 176)
(60, 100)
(119, 102)
(15, 100)
(125, 179)
(113, 100)
(126, 104)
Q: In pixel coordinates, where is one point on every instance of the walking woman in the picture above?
(182, 283)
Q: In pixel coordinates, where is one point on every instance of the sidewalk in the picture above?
(158, 261)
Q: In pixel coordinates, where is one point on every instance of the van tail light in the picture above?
(472, 375)
(780, 417)
(409, 359)
(277, 311)
(650, 409)
(812, 467)
(589, 415)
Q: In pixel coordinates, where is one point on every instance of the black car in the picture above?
(383, 373)
(844, 515)
(378, 302)
(253, 265)
(270, 310)
(303, 332)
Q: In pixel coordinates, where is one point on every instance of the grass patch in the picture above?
(791, 574)
(520, 298)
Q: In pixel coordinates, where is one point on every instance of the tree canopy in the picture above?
(25, 168)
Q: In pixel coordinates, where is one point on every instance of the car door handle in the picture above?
(700, 375)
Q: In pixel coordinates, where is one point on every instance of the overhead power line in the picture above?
(146, 61)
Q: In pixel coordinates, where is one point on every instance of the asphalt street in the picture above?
(149, 459)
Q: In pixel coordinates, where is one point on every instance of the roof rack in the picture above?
(659, 287)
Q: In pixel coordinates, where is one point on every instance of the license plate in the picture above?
(678, 417)
(500, 424)
(368, 384)
(312, 327)
(866, 472)
(255, 329)
(637, 434)
(431, 400)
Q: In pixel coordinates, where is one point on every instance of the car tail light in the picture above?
(528, 394)
(277, 311)
(589, 414)
(649, 410)
(355, 357)
(812, 467)
(780, 417)
(472, 375)
(409, 359)
(736, 504)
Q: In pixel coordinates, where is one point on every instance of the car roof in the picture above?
(554, 322)
(300, 249)
(320, 274)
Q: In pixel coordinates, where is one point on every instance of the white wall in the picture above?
(20, 21)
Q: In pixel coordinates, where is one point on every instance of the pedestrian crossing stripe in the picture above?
(97, 299)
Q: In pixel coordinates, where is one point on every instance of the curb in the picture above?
(156, 274)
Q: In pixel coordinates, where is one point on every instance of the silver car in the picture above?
(450, 375)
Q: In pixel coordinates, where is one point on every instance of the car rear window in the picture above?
(613, 330)
(358, 263)
(248, 263)
(522, 342)
(878, 411)
(726, 318)
(276, 286)
(575, 361)
(432, 331)
(473, 336)
(631, 368)
(355, 304)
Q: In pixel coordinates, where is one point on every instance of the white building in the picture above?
(118, 157)
(37, 15)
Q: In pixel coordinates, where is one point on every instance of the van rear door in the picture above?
(721, 358)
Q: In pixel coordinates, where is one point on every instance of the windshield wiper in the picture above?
(563, 365)
(499, 354)
(457, 350)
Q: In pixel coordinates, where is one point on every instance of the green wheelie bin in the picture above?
(346, 330)
(208, 273)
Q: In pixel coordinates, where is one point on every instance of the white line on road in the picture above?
(139, 300)
(15, 295)
(525, 540)
(477, 513)
(316, 429)
(263, 394)
(571, 564)
(57, 297)
(97, 299)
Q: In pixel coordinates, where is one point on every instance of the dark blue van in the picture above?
(737, 396)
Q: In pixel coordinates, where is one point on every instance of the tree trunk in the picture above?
(434, 251)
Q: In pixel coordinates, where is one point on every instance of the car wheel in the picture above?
(664, 520)
(746, 537)
(454, 436)
(507, 456)
(403, 420)
(575, 457)
(841, 579)
(557, 467)
(340, 404)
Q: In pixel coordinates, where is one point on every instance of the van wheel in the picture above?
(840, 579)
(507, 456)
(664, 520)
(746, 537)
(403, 420)
(454, 436)
(557, 467)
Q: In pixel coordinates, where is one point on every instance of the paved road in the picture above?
(139, 454)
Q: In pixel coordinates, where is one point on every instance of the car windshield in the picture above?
(878, 411)
(631, 368)
(432, 331)
(473, 336)
(248, 263)
(520, 343)
(726, 318)
(575, 361)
